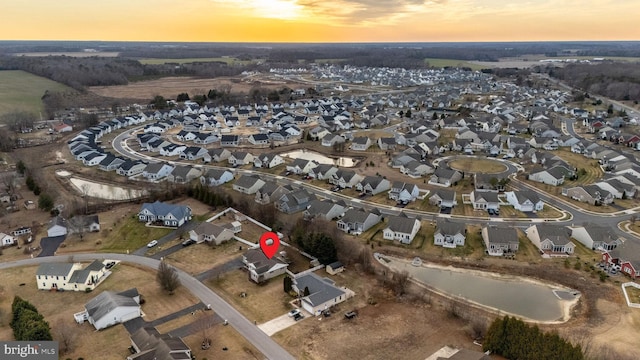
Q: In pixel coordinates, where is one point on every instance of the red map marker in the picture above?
(269, 243)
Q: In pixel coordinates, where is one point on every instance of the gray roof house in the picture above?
(403, 192)
(373, 185)
(500, 240)
(524, 200)
(356, 221)
(110, 308)
(482, 200)
(168, 214)
(443, 198)
(216, 177)
(553, 176)
(551, 240)
(212, 233)
(596, 237)
(324, 209)
(260, 267)
(183, 174)
(449, 234)
(248, 184)
(294, 201)
(149, 344)
(323, 293)
(401, 228)
(445, 177)
(70, 276)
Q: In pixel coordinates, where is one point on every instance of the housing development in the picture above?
(413, 206)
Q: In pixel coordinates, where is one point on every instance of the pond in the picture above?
(322, 159)
(506, 294)
(103, 191)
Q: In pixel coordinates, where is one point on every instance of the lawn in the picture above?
(22, 91)
(58, 308)
(477, 165)
(452, 63)
(131, 235)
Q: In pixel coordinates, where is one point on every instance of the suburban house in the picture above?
(590, 194)
(401, 228)
(449, 234)
(156, 171)
(323, 293)
(345, 178)
(267, 161)
(373, 185)
(334, 268)
(524, 200)
(211, 233)
(484, 200)
(445, 177)
(551, 240)
(248, 184)
(403, 192)
(57, 227)
(301, 166)
(183, 174)
(216, 177)
(596, 237)
(219, 154)
(260, 267)
(111, 308)
(70, 276)
(623, 259)
(131, 167)
(443, 198)
(6, 239)
(356, 221)
(360, 143)
(167, 214)
(553, 176)
(324, 209)
(148, 343)
(83, 223)
(271, 191)
(323, 171)
(294, 201)
(500, 240)
(240, 158)
(416, 169)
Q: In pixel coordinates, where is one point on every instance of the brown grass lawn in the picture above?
(197, 258)
(633, 293)
(477, 165)
(223, 336)
(58, 308)
(262, 303)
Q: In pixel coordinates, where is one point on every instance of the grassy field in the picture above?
(224, 59)
(21, 91)
(131, 235)
(485, 166)
(452, 63)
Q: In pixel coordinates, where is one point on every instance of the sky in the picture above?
(320, 20)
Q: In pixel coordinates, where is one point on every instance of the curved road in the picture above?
(269, 348)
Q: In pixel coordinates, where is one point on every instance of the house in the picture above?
(551, 240)
(70, 276)
(443, 198)
(260, 267)
(401, 228)
(267, 161)
(219, 154)
(216, 177)
(449, 234)
(7, 240)
(323, 293)
(334, 268)
(590, 194)
(302, 166)
(131, 168)
(445, 177)
(211, 233)
(23, 230)
(57, 227)
(183, 174)
(323, 171)
(553, 176)
(500, 240)
(332, 139)
(482, 200)
(345, 178)
(373, 185)
(258, 139)
(416, 169)
(111, 308)
(356, 221)
(168, 214)
(596, 237)
(248, 184)
(194, 153)
(148, 343)
(360, 143)
(240, 158)
(324, 209)
(294, 201)
(83, 223)
(270, 192)
(229, 140)
(157, 171)
(524, 200)
(403, 192)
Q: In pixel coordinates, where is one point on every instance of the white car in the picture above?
(294, 312)
(152, 243)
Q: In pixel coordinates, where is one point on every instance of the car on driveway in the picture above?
(152, 243)
(294, 312)
(298, 316)
(188, 242)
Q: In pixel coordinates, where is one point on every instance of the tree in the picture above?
(45, 202)
(159, 102)
(66, 335)
(408, 113)
(168, 277)
(287, 284)
(27, 324)
(182, 97)
(306, 291)
(21, 167)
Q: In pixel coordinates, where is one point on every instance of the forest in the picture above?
(618, 81)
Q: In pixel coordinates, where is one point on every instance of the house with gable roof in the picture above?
(148, 344)
(445, 177)
(168, 214)
(183, 174)
(553, 176)
(443, 198)
(524, 200)
(324, 209)
(484, 200)
(260, 267)
(360, 143)
(248, 184)
(403, 192)
(345, 178)
(449, 234)
(216, 177)
(551, 240)
(294, 201)
(401, 228)
(211, 233)
(110, 308)
(596, 237)
(373, 185)
(356, 221)
(71, 276)
(323, 293)
(500, 240)
(267, 161)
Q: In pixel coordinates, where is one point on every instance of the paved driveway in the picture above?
(49, 245)
(280, 323)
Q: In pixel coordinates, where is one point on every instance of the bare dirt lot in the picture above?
(170, 87)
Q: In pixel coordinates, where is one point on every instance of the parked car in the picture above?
(294, 312)
(109, 265)
(152, 243)
(188, 242)
(350, 314)
(298, 316)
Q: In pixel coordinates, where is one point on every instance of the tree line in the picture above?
(615, 80)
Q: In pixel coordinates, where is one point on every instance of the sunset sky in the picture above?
(320, 20)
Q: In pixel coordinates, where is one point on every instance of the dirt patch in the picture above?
(170, 87)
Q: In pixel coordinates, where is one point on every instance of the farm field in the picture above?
(223, 59)
(452, 63)
(21, 91)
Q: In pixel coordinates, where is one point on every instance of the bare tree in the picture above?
(85, 197)
(400, 281)
(203, 325)
(168, 277)
(66, 335)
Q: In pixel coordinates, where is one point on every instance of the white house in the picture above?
(401, 228)
(323, 293)
(6, 239)
(70, 276)
(551, 240)
(524, 200)
(168, 214)
(596, 237)
(260, 267)
(111, 308)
